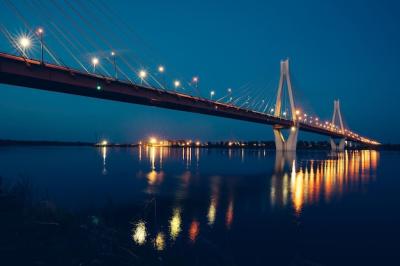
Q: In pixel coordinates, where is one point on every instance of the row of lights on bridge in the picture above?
(25, 43)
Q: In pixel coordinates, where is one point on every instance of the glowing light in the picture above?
(152, 140)
(104, 143)
(112, 53)
(198, 143)
(293, 128)
(229, 90)
(212, 93)
(212, 210)
(139, 233)
(177, 83)
(297, 112)
(284, 113)
(195, 79)
(194, 230)
(175, 224)
(98, 87)
(142, 74)
(161, 69)
(159, 242)
(40, 31)
(25, 42)
(272, 110)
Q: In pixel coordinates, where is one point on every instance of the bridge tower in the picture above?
(281, 143)
(340, 145)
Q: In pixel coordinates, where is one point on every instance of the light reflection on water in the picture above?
(186, 203)
(294, 183)
(308, 182)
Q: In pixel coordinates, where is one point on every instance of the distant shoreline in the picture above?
(302, 145)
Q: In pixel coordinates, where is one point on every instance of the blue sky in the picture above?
(337, 49)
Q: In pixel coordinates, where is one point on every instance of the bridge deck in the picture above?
(30, 73)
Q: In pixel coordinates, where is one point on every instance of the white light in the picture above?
(112, 53)
(95, 61)
(161, 69)
(25, 42)
(142, 74)
(229, 90)
(272, 109)
(177, 83)
(195, 79)
(212, 93)
(284, 113)
(40, 31)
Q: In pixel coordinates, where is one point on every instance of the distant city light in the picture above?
(104, 143)
(153, 140)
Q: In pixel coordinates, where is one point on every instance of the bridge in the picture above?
(31, 73)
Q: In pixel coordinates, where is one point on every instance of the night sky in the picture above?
(337, 49)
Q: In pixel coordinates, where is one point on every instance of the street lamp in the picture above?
(24, 43)
(95, 62)
(212, 93)
(177, 84)
(161, 70)
(195, 81)
(115, 64)
(40, 32)
(142, 75)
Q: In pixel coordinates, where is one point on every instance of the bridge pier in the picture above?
(340, 146)
(289, 144)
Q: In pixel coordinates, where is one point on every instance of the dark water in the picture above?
(160, 206)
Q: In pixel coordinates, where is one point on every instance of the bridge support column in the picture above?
(338, 146)
(281, 143)
(289, 144)
(342, 141)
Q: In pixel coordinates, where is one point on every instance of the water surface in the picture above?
(163, 206)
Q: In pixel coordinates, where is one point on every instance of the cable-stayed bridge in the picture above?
(123, 78)
(20, 71)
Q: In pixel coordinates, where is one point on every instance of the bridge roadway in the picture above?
(18, 71)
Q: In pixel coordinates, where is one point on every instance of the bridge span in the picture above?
(30, 73)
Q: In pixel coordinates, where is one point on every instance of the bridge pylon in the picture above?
(337, 144)
(282, 144)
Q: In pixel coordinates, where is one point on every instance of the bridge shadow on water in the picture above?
(189, 206)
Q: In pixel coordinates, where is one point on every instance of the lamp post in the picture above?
(24, 43)
(115, 65)
(142, 76)
(161, 70)
(212, 93)
(95, 62)
(40, 33)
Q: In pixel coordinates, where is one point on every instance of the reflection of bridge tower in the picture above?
(340, 145)
(281, 143)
